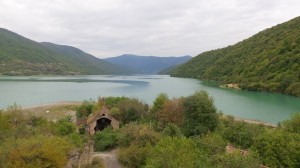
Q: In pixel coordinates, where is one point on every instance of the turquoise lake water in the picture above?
(32, 91)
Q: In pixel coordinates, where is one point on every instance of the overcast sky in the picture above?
(108, 28)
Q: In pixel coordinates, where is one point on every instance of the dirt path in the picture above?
(110, 158)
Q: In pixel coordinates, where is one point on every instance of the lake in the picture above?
(32, 91)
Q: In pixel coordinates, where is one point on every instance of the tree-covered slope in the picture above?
(22, 56)
(147, 64)
(267, 61)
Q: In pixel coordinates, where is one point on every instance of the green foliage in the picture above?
(131, 110)
(278, 149)
(31, 141)
(211, 144)
(6, 125)
(85, 109)
(81, 129)
(75, 139)
(237, 160)
(114, 101)
(21, 56)
(172, 130)
(292, 125)
(40, 151)
(171, 112)
(158, 103)
(134, 156)
(200, 114)
(240, 133)
(139, 134)
(136, 141)
(267, 61)
(173, 152)
(106, 139)
(116, 113)
(126, 109)
(65, 127)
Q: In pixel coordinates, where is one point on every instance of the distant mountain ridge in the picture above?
(268, 61)
(22, 56)
(147, 64)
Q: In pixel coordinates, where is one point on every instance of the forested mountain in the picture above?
(147, 64)
(22, 56)
(267, 61)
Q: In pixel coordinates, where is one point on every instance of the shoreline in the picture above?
(61, 103)
(67, 103)
(253, 121)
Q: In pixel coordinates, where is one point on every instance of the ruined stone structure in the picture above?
(101, 120)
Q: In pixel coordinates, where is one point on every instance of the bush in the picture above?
(278, 148)
(172, 130)
(174, 152)
(211, 144)
(106, 139)
(200, 114)
(292, 125)
(65, 127)
(241, 133)
(75, 139)
(134, 156)
(38, 151)
(235, 160)
(85, 109)
(131, 110)
(139, 134)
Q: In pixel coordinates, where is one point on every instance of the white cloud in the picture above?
(157, 27)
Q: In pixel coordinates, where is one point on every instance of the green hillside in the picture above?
(268, 61)
(22, 56)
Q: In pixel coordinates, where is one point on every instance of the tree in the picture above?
(158, 103)
(171, 112)
(200, 114)
(131, 110)
(172, 130)
(278, 148)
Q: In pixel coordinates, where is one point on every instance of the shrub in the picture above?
(106, 139)
(85, 109)
(65, 127)
(172, 130)
(38, 151)
(134, 156)
(236, 159)
(278, 148)
(200, 114)
(173, 152)
(139, 134)
(293, 124)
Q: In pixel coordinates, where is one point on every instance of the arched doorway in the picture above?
(102, 123)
